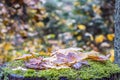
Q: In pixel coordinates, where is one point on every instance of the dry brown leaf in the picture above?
(25, 57)
(63, 58)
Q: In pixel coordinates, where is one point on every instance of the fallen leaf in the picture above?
(25, 57)
(99, 38)
(82, 27)
(110, 37)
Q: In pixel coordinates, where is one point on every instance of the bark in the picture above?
(117, 32)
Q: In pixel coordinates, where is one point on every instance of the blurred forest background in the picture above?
(38, 26)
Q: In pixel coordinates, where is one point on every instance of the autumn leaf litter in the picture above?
(63, 58)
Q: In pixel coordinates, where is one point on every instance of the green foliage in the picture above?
(95, 71)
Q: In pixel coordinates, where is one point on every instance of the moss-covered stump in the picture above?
(96, 71)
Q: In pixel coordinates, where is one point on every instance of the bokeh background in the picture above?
(39, 26)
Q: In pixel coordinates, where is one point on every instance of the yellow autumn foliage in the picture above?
(79, 37)
(40, 24)
(112, 55)
(42, 53)
(82, 27)
(110, 37)
(99, 38)
(97, 9)
(7, 46)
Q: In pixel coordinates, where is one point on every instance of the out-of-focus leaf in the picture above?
(79, 38)
(50, 36)
(99, 38)
(25, 57)
(97, 56)
(65, 51)
(112, 55)
(110, 37)
(7, 46)
(42, 53)
(105, 44)
(89, 35)
(96, 9)
(40, 24)
(35, 63)
(82, 27)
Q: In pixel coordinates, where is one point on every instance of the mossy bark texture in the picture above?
(117, 32)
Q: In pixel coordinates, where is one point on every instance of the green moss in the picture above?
(96, 70)
(16, 63)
